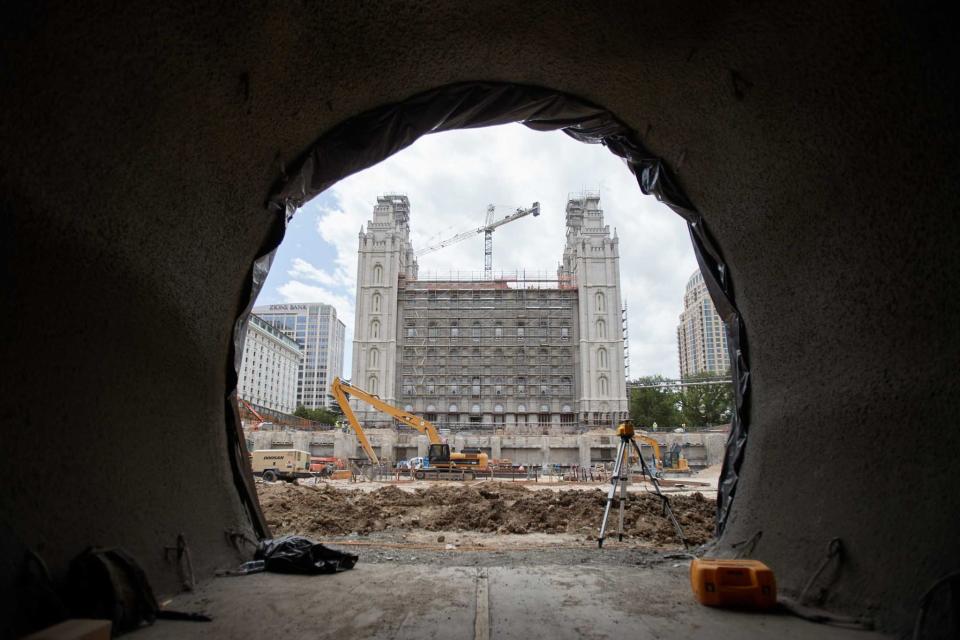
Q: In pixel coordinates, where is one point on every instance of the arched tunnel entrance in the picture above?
(816, 139)
(372, 137)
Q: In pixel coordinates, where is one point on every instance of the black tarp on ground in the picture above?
(296, 554)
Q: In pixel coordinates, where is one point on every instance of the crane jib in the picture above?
(487, 228)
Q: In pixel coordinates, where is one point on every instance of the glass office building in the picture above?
(315, 327)
(701, 334)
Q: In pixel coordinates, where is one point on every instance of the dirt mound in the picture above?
(490, 507)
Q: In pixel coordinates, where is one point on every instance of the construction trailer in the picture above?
(280, 464)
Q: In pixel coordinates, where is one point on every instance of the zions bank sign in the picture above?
(289, 307)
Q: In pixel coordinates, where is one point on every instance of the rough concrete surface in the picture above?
(818, 139)
(523, 599)
(699, 448)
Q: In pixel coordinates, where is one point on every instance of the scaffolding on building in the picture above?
(626, 342)
(477, 354)
(581, 197)
(522, 279)
(401, 206)
(477, 350)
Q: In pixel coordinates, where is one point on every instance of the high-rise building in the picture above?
(701, 335)
(269, 367)
(528, 349)
(315, 327)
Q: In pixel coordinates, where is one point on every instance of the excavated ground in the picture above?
(487, 507)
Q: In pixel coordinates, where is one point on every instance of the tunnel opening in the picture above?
(374, 136)
(527, 367)
(362, 142)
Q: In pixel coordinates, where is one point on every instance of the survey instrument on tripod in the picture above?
(620, 477)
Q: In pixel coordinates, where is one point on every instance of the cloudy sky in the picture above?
(450, 179)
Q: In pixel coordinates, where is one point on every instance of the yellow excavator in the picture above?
(673, 463)
(441, 463)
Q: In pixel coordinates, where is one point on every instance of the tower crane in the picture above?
(489, 225)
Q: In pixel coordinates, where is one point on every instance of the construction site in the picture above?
(354, 480)
(701, 448)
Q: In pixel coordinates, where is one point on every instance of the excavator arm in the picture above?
(342, 391)
(344, 403)
(653, 445)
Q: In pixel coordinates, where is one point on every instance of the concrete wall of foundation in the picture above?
(700, 449)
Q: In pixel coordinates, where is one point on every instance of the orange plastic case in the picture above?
(733, 583)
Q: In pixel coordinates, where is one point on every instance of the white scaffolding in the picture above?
(501, 351)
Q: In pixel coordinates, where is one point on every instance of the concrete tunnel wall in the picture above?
(818, 140)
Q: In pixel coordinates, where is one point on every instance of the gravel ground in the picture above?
(589, 555)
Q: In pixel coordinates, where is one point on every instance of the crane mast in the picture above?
(487, 229)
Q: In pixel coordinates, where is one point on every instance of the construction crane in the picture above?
(441, 461)
(489, 225)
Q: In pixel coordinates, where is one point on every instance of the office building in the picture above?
(269, 367)
(701, 335)
(315, 327)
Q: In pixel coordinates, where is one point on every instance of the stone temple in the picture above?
(528, 352)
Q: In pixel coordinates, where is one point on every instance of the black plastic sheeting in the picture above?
(296, 554)
(368, 138)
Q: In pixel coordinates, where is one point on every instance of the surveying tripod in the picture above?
(621, 473)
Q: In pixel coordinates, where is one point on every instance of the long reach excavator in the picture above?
(441, 464)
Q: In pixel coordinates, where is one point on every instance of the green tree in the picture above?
(321, 415)
(654, 404)
(707, 405)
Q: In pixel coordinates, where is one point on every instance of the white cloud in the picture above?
(341, 229)
(451, 177)
(303, 270)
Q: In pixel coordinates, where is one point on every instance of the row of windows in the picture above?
(474, 390)
(543, 354)
(523, 418)
(601, 331)
(477, 332)
(544, 371)
(431, 411)
(373, 386)
(496, 357)
(376, 301)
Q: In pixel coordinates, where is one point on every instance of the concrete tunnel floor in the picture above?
(617, 593)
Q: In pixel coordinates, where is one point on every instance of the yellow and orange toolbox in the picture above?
(733, 583)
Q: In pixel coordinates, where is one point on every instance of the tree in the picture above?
(707, 405)
(655, 404)
(321, 415)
